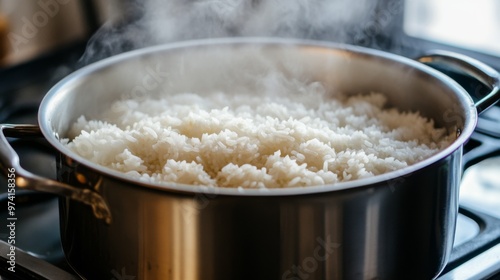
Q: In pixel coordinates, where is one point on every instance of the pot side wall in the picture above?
(398, 229)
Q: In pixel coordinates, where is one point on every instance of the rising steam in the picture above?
(151, 22)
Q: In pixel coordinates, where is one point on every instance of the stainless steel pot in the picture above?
(398, 225)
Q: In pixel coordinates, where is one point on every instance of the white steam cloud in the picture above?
(151, 22)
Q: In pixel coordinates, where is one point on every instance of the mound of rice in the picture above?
(254, 141)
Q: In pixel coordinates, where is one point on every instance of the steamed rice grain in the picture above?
(238, 141)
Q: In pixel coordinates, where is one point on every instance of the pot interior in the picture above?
(239, 65)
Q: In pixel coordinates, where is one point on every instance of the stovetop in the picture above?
(476, 252)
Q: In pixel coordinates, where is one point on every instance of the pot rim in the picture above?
(57, 91)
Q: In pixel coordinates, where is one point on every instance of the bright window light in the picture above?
(468, 24)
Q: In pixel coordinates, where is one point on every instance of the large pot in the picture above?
(398, 225)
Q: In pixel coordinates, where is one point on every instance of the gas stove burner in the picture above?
(489, 122)
(20, 113)
(38, 215)
(481, 188)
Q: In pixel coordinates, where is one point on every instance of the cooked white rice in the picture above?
(255, 142)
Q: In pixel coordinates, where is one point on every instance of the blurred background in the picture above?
(471, 25)
(30, 28)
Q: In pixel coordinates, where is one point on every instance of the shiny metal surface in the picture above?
(380, 230)
(9, 163)
(467, 228)
(381, 227)
(481, 187)
(483, 266)
(483, 73)
(30, 267)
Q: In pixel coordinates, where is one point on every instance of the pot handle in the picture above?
(476, 69)
(23, 179)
